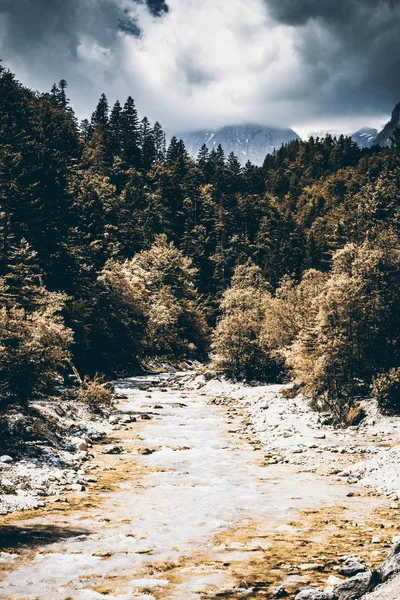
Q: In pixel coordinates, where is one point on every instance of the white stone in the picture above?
(6, 458)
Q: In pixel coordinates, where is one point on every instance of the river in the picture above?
(190, 509)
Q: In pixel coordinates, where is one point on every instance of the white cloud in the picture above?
(212, 62)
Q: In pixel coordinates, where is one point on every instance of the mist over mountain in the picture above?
(365, 137)
(247, 142)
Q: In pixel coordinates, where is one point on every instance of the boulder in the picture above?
(6, 459)
(126, 419)
(145, 451)
(81, 444)
(391, 566)
(357, 586)
(352, 567)
(113, 450)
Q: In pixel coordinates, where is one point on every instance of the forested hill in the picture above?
(115, 248)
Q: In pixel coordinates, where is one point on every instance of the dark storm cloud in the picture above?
(129, 26)
(45, 40)
(279, 62)
(157, 7)
(350, 47)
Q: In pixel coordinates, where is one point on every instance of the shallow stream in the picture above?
(189, 510)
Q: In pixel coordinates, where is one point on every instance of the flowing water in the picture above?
(189, 510)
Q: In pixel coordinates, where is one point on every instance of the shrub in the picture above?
(355, 416)
(241, 353)
(34, 349)
(386, 390)
(96, 394)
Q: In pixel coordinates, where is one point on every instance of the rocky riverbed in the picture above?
(207, 489)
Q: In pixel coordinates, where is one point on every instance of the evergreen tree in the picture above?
(100, 117)
(130, 135)
(159, 142)
(148, 146)
(116, 124)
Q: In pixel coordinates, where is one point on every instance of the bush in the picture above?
(96, 394)
(241, 353)
(386, 390)
(355, 416)
(34, 349)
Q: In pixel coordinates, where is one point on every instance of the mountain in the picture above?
(248, 142)
(383, 138)
(365, 137)
(322, 133)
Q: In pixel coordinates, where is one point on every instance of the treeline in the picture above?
(334, 327)
(116, 247)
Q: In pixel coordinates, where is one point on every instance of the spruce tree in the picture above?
(116, 122)
(159, 142)
(130, 135)
(101, 115)
(148, 147)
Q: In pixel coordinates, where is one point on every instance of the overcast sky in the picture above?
(193, 64)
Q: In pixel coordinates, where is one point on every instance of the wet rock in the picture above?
(113, 420)
(391, 566)
(7, 486)
(314, 594)
(81, 444)
(126, 419)
(357, 586)
(145, 451)
(6, 459)
(102, 554)
(352, 567)
(82, 455)
(280, 592)
(332, 581)
(77, 487)
(113, 450)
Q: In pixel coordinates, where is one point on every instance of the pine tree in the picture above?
(130, 135)
(101, 115)
(116, 123)
(159, 142)
(148, 146)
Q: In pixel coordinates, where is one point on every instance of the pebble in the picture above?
(77, 487)
(126, 419)
(113, 450)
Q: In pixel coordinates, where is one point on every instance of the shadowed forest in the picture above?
(117, 248)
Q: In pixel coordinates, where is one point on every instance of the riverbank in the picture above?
(46, 451)
(289, 432)
(187, 502)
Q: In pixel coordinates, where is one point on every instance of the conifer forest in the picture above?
(199, 359)
(118, 248)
